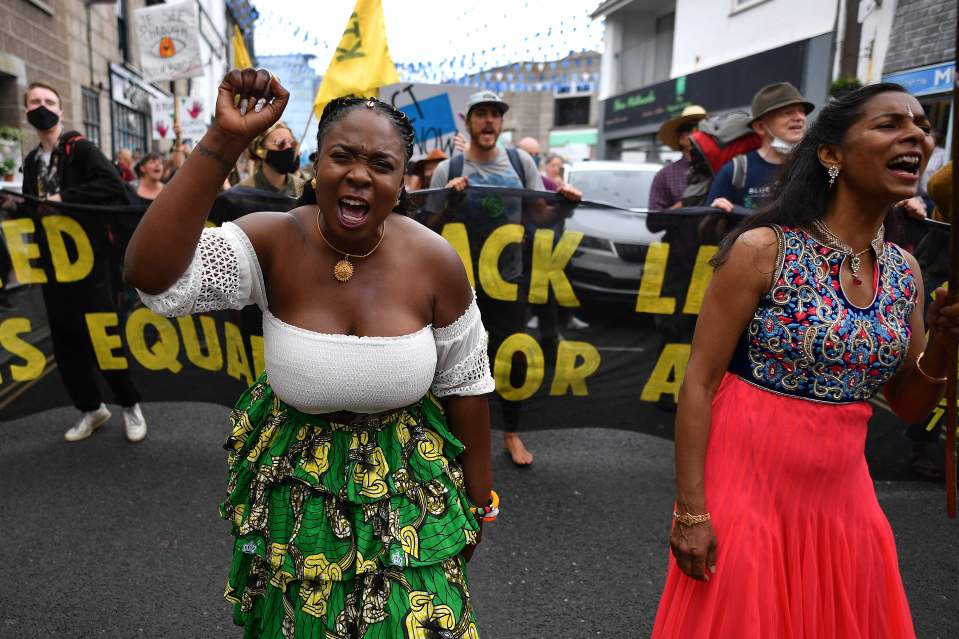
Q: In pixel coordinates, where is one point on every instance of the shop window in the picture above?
(572, 111)
(123, 30)
(129, 129)
(91, 115)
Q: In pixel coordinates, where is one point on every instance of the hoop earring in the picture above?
(313, 184)
(833, 174)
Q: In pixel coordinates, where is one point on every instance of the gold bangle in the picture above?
(926, 376)
(688, 519)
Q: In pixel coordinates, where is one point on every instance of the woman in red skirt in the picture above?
(777, 531)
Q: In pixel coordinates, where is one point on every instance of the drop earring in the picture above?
(833, 174)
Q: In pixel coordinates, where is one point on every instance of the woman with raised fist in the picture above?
(359, 460)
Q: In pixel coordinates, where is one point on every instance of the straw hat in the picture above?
(436, 156)
(669, 132)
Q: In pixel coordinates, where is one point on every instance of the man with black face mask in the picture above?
(67, 168)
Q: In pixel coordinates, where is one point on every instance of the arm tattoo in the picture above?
(210, 153)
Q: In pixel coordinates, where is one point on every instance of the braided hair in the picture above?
(339, 107)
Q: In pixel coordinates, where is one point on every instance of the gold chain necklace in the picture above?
(855, 261)
(343, 270)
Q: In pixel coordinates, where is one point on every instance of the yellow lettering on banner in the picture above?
(105, 343)
(21, 252)
(503, 365)
(259, 363)
(667, 376)
(56, 227)
(33, 358)
(702, 273)
(237, 363)
(575, 361)
(213, 359)
(650, 299)
(489, 276)
(455, 234)
(549, 267)
(166, 350)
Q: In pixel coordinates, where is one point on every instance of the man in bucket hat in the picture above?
(668, 185)
(779, 117)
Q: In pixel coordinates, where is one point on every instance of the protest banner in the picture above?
(169, 40)
(437, 112)
(620, 365)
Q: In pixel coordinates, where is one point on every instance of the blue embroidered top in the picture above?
(807, 340)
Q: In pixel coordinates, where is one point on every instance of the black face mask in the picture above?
(284, 161)
(42, 118)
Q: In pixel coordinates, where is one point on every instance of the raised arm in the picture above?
(163, 245)
(729, 303)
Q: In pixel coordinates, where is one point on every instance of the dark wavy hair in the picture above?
(800, 194)
(339, 107)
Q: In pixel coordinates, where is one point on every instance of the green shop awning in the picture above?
(578, 136)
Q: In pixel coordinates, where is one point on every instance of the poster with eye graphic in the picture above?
(169, 40)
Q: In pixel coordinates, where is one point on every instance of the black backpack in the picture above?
(458, 160)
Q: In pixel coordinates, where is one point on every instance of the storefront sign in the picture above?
(938, 78)
(723, 87)
(130, 90)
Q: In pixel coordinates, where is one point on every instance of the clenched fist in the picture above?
(248, 102)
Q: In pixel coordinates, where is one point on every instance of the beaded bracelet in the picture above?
(489, 512)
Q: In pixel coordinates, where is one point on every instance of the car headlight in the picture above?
(596, 244)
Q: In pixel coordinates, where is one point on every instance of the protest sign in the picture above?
(161, 111)
(436, 110)
(194, 118)
(169, 40)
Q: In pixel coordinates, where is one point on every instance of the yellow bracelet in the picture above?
(926, 376)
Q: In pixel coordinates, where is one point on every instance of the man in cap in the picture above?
(779, 117)
(667, 189)
(486, 163)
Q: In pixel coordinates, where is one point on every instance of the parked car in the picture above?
(609, 260)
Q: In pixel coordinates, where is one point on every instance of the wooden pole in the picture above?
(952, 362)
(306, 130)
(176, 117)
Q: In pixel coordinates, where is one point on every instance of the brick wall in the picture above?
(923, 32)
(37, 39)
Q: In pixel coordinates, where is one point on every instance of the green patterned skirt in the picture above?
(347, 531)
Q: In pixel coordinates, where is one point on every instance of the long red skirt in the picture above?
(804, 550)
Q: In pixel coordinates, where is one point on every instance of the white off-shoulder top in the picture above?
(324, 373)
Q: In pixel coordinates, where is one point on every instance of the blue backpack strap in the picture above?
(514, 159)
(456, 166)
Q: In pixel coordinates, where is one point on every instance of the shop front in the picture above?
(630, 120)
(130, 109)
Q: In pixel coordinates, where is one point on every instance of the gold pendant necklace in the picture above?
(343, 269)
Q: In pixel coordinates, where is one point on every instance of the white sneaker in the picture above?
(88, 422)
(577, 324)
(134, 423)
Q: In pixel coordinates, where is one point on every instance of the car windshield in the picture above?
(628, 189)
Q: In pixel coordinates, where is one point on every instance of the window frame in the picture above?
(92, 122)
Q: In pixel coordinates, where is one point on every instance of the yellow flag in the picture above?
(241, 57)
(361, 63)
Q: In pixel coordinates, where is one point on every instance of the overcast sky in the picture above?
(430, 31)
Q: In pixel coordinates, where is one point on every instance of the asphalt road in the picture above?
(109, 539)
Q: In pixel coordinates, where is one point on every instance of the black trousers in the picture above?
(502, 319)
(67, 305)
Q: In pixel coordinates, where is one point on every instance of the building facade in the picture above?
(297, 74)
(88, 50)
(663, 55)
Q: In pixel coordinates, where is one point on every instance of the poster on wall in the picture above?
(169, 41)
(438, 113)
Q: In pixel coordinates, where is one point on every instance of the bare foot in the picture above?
(517, 449)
